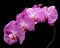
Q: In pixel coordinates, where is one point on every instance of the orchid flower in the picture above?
(51, 14)
(10, 33)
(37, 14)
(25, 22)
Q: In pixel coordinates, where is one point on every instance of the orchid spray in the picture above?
(15, 30)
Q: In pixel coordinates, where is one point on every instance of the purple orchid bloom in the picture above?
(37, 14)
(25, 22)
(10, 31)
(51, 14)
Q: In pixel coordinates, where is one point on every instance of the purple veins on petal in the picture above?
(29, 23)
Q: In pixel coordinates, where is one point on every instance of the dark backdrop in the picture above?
(43, 32)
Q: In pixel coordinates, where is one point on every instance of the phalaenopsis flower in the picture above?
(25, 22)
(10, 31)
(37, 14)
(51, 14)
(12, 34)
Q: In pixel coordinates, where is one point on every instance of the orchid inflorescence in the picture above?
(15, 30)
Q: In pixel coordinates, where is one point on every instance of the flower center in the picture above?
(35, 19)
(24, 28)
(12, 36)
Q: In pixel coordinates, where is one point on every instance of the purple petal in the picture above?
(21, 35)
(29, 23)
(52, 14)
(32, 13)
(41, 16)
(11, 27)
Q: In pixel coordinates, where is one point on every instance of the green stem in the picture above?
(52, 38)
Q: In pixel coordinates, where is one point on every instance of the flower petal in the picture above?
(11, 27)
(21, 35)
(52, 14)
(37, 6)
(41, 16)
(29, 23)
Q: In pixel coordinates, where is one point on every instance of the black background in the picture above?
(43, 32)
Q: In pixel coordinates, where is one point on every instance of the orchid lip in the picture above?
(35, 19)
(24, 28)
(12, 36)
